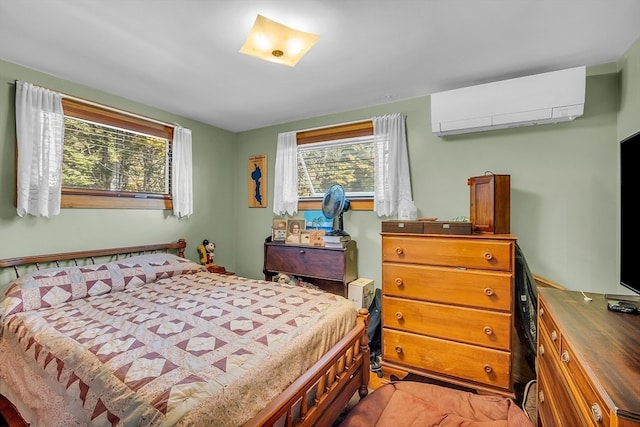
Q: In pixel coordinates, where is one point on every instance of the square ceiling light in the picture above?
(278, 43)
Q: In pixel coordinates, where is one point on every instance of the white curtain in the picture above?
(40, 135)
(285, 187)
(391, 164)
(182, 184)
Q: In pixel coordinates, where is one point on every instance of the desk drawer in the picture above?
(322, 263)
(466, 253)
(470, 325)
(476, 288)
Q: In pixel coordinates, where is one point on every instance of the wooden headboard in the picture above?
(89, 256)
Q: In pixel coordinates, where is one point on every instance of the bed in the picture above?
(143, 336)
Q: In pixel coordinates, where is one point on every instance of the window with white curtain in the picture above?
(113, 159)
(342, 154)
(348, 162)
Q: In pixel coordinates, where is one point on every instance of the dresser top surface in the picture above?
(606, 342)
(453, 236)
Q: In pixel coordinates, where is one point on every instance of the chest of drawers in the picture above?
(588, 362)
(448, 308)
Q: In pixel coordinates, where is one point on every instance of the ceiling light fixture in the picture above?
(277, 43)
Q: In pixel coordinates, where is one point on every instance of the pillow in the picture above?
(139, 270)
(52, 286)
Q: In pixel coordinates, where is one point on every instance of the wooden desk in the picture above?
(330, 269)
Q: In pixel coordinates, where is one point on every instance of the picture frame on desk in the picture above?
(279, 230)
(305, 237)
(294, 229)
(316, 237)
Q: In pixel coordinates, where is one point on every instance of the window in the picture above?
(113, 159)
(340, 154)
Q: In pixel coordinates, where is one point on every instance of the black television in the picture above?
(629, 265)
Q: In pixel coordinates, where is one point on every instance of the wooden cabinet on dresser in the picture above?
(330, 269)
(448, 310)
(588, 362)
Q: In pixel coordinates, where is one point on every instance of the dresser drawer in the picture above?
(546, 322)
(544, 406)
(470, 325)
(553, 402)
(476, 288)
(554, 385)
(322, 263)
(590, 403)
(457, 360)
(477, 253)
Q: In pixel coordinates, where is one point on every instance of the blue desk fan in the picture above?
(334, 204)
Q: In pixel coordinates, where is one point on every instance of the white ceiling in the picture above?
(182, 55)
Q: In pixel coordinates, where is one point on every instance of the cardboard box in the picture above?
(361, 292)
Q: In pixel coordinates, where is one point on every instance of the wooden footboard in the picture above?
(318, 397)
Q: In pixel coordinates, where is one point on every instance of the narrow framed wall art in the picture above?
(257, 181)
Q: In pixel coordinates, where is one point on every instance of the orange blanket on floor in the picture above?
(413, 404)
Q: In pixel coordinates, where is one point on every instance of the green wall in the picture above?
(564, 183)
(214, 156)
(629, 116)
(564, 179)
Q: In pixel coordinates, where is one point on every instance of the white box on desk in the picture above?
(361, 292)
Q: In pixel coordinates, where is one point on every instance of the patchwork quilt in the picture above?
(157, 341)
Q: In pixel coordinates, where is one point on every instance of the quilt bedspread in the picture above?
(193, 349)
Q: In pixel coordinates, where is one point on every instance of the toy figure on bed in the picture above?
(207, 251)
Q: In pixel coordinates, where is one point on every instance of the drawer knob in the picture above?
(541, 350)
(399, 315)
(399, 251)
(565, 356)
(554, 336)
(597, 413)
(488, 291)
(541, 397)
(398, 349)
(301, 251)
(487, 330)
(488, 256)
(541, 312)
(488, 369)
(399, 282)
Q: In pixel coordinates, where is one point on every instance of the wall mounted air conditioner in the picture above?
(545, 98)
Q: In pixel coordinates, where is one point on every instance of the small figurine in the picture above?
(207, 251)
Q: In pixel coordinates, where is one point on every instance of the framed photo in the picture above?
(317, 221)
(257, 181)
(305, 238)
(316, 237)
(279, 230)
(294, 231)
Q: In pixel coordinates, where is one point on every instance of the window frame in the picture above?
(344, 131)
(105, 199)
